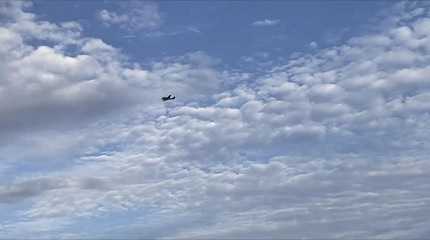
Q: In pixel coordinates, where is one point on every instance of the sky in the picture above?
(292, 120)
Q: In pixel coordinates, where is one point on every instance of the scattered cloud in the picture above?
(133, 16)
(333, 140)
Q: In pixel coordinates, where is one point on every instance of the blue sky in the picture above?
(219, 28)
(291, 119)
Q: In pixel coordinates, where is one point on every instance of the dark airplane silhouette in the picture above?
(168, 98)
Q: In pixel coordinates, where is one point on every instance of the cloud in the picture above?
(133, 16)
(313, 45)
(27, 189)
(92, 81)
(332, 141)
(266, 22)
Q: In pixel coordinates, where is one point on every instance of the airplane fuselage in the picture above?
(168, 98)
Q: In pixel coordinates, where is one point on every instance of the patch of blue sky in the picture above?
(222, 29)
(10, 213)
(112, 224)
(26, 168)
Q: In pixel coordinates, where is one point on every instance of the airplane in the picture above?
(168, 98)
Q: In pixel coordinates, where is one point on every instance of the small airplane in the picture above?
(168, 98)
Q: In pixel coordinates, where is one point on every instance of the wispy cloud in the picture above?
(158, 33)
(193, 29)
(132, 16)
(266, 22)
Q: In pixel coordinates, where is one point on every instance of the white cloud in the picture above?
(266, 22)
(29, 27)
(333, 141)
(91, 82)
(133, 16)
(313, 45)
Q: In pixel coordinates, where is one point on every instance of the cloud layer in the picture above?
(333, 141)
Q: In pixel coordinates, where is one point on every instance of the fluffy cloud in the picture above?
(28, 27)
(333, 141)
(92, 81)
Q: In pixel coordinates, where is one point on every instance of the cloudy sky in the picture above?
(291, 119)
